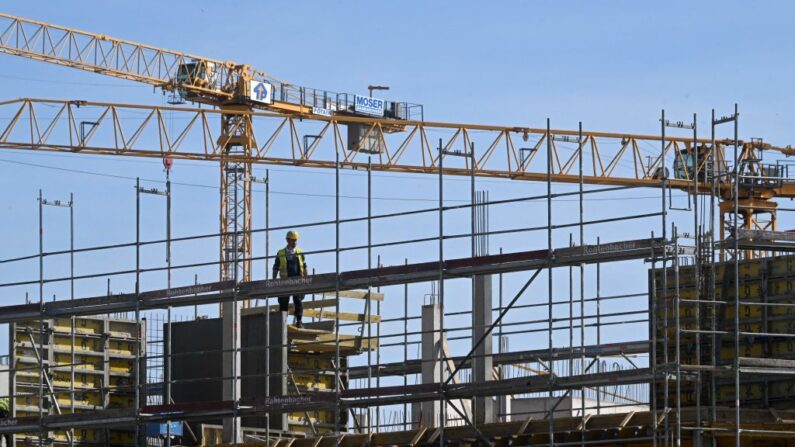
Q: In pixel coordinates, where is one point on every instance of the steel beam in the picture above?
(512, 358)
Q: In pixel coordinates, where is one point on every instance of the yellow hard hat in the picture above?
(292, 234)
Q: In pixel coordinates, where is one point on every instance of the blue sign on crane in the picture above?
(261, 92)
(368, 105)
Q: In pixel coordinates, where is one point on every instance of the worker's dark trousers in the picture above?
(298, 302)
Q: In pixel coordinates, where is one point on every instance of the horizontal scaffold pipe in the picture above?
(355, 279)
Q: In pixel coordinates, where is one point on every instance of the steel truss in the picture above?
(140, 130)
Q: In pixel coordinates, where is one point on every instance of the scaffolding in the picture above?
(424, 371)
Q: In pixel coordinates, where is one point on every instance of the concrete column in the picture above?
(230, 340)
(278, 369)
(484, 409)
(431, 369)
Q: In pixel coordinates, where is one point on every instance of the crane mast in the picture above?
(236, 142)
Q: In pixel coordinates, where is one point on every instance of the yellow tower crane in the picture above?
(387, 131)
(235, 89)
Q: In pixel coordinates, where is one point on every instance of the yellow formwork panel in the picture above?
(29, 353)
(684, 294)
(86, 326)
(87, 436)
(749, 291)
(26, 401)
(82, 381)
(93, 436)
(781, 327)
(746, 294)
(779, 311)
(782, 389)
(23, 336)
(781, 286)
(687, 395)
(122, 384)
(121, 401)
(27, 378)
(748, 391)
(294, 426)
(687, 359)
(82, 343)
(784, 348)
(82, 362)
(90, 343)
(297, 421)
(122, 329)
(86, 398)
(781, 266)
(314, 381)
(672, 332)
(748, 313)
(83, 399)
(760, 281)
(122, 366)
(121, 347)
(121, 437)
(306, 370)
(307, 362)
(25, 414)
(63, 324)
(686, 277)
(746, 269)
(726, 353)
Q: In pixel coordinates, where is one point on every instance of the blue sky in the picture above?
(612, 65)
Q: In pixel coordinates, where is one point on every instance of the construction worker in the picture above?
(290, 263)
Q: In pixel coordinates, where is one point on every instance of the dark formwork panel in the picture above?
(197, 369)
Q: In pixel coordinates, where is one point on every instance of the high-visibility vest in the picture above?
(283, 262)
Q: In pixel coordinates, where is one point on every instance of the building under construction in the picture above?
(543, 343)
